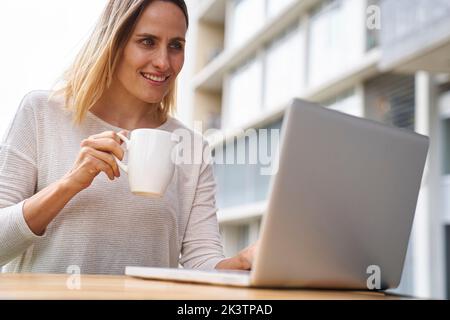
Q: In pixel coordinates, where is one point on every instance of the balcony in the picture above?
(211, 76)
(415, 35)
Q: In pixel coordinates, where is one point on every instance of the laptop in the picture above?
(340, 207)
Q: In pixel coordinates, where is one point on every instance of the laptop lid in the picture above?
(343, 200)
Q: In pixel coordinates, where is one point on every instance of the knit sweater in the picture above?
(104, 228)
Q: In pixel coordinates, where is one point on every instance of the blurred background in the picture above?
(386, 60)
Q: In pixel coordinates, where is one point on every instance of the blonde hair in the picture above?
(92, 71)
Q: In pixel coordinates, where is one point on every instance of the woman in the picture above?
(57, 211)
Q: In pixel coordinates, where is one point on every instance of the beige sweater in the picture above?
(105, 227)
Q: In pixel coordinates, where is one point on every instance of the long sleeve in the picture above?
(202, 244)
(18, 172)
(106, 227)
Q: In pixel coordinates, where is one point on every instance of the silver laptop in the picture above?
(340, 209)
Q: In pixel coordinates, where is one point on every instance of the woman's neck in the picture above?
(125, 111)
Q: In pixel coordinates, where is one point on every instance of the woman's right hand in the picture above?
(96, 156)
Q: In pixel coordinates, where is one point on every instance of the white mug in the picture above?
(150, 161)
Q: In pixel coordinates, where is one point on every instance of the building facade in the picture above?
(386, 60)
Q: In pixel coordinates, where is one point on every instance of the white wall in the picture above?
(39, 40)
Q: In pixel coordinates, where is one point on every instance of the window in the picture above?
(241, 184)
(406, 18)
(444, 110)
(284, 69)
(245, 94)
(247, 17)
(390, 98)
(446, 151)
(336, 39)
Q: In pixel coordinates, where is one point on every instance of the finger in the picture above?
(107, 134)
(105, 157)
(125, 133)
(105, 145)
(94, 166)
(103, 166)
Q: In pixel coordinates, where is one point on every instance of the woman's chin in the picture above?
(152, 100)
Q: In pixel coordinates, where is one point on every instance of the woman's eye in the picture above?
(173, 45)
(147, 42)
(177, 46)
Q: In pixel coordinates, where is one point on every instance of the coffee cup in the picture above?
(150, 165)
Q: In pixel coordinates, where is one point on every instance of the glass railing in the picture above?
(403, 19)
(243, 183)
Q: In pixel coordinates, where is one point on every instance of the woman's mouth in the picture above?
(154, 79)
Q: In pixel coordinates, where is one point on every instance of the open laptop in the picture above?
(340, 207)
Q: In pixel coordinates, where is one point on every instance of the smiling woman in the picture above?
(135, 45)
(56, 210)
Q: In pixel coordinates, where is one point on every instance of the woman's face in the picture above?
(154, 54)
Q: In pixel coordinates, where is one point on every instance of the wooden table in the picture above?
(46, 287)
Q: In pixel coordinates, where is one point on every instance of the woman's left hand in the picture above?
(242, 261)
(247, 256)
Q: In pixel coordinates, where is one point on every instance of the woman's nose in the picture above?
(161, 60)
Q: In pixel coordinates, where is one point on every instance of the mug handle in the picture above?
(123, 166)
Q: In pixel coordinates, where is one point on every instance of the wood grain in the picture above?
(51, 286)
